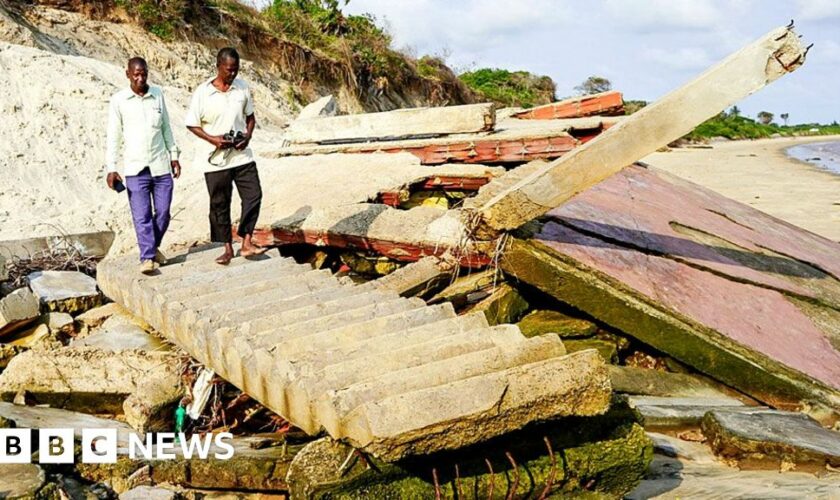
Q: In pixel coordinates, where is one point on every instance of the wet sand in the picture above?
(760, 174)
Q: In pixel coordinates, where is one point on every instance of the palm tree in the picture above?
(785, 116)
(765, 117)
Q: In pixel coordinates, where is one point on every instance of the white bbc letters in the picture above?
(15, 446)
(55, 446)
(99, 446)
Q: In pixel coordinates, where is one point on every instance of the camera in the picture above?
(234, 137)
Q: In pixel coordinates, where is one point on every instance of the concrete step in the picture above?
(212, 276)
(261, 280)
(325, 308)
(299, 295)
(478, 408)
(245, 344)
(301, 357)
(244, 303)
(334, 405)
(302, 392)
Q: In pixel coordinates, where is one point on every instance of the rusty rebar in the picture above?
(492, 479)
(515, 476)
(551, 475)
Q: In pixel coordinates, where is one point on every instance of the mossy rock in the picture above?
(605, 348)
(545, 321)
(504, 305)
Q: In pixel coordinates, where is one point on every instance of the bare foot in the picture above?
(225, 258)
(252, 251)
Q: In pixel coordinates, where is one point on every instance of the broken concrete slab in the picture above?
(96, 316)
(149, 493)
(742, 297)
(544, 321)
(657, 383)
(415, 279)
(608, 454)
(21, 481)
(120, 332)
(654, 126)
(65, 291)
(604, 103)
(663, 412)
(39, 335)
(59, 323)
(18, 309)
(466, 411)
(85, 378)
(469, 288)
(513, 141)
(402, 235)
(503, 305)
(761, 435)
(250, 469)
(393, 125)
(605, 348)
(683, 469)
(95, 244)
(320, 108)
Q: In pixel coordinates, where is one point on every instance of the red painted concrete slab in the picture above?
(607, 104)
(657, 212)
(758, 318)
(711, 272)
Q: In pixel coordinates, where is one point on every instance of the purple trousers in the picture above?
(149, 198)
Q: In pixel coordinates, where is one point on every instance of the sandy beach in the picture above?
(760, 174)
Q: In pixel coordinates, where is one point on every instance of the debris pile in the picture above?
(551, 320)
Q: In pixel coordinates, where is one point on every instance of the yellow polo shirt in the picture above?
(217, 113)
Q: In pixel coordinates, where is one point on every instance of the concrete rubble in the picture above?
(96, 381)
(18, 309)
(533, 328)
(65, 291)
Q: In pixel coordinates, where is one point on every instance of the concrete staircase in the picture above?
(390, 375)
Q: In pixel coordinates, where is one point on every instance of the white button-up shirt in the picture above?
(142, 124)
(218, 113)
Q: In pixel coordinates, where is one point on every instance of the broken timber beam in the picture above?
(605, 103)
(739, 75)
(392, 125)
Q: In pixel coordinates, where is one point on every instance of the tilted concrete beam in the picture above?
(739, 75)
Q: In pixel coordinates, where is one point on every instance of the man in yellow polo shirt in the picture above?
(222, 114)
(137, 118)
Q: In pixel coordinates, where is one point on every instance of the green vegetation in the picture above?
(160, 17)
(511, 88)
(734, 126)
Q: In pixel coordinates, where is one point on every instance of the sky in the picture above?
(644, 47)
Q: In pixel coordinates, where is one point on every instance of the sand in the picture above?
(760, 174)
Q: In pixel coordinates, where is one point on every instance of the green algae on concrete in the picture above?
(608, 454)
(503, 305)
(697, 345)
(605, 348)
(546, 321)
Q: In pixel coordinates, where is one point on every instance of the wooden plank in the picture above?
(605, 103)
(393, 125)
(744, 72)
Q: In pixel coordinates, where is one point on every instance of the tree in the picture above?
(735, 111)
(785, 116)
(765, 117)
(594, 85)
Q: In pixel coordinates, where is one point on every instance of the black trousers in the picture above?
(220, 187)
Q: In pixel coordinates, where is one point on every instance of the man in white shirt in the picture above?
(138, 118)
(222, 114)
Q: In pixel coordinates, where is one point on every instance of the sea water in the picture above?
(825, 155)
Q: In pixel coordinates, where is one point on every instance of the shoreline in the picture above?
(761, 174)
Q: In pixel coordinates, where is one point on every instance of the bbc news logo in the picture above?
(99, 446)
